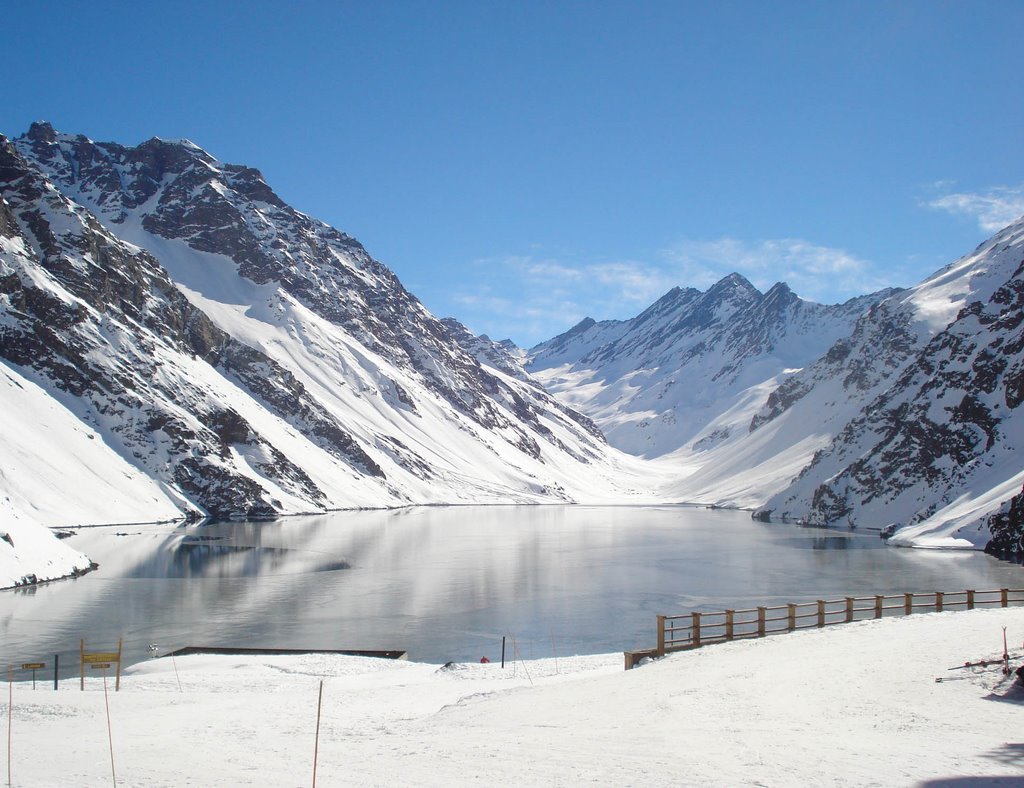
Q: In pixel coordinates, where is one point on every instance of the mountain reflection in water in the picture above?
(194, 559)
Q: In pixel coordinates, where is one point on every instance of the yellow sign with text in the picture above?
(100, 656)
(99, 660)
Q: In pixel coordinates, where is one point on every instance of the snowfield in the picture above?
(855, 704)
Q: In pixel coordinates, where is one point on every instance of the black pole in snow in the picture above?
(503, 652)
(56, 664)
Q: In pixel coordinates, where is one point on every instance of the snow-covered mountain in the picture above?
(664, 381)
(214, 351)
(936, 376)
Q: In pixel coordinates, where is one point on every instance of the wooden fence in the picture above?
(693, 630)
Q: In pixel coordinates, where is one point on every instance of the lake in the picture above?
(446, 583)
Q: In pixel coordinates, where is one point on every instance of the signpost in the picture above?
(33, 666)
(100, 660)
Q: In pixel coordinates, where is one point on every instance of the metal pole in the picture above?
(56, 664)
(502, 652)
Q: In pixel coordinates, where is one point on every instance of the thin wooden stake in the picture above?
(316, 745)
(176, 676)
(515, 650)
(110, 735)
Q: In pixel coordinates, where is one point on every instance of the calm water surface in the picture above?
(448, 583)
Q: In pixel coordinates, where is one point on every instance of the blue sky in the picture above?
(523, 165)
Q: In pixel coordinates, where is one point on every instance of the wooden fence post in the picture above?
(761, 615)
(849, 609)
(1003, 594)
(821, 612)
(661, 636)
(728, 624)
(970, 599)
(878, 606)
(908, 603)
(696, 629)
(938, 601)
(791, 616)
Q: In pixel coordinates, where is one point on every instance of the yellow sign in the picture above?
(100, 656)
(100, 660)
(33, 666)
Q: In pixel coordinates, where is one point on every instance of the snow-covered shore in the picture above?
(849, 705)
(31, 553)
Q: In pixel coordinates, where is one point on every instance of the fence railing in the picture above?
(694, 630)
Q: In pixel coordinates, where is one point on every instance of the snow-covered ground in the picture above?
(856, 704)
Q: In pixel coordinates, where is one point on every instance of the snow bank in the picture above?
(848, 705)
(29, 552)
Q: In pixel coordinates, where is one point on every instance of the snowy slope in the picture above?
(850, 705)
(228, 355)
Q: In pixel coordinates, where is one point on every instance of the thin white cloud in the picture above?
(542, 296)
(992, 209)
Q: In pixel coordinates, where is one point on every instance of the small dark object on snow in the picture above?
(1020, 674)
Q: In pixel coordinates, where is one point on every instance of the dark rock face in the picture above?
(1007, 527)
(940, 417)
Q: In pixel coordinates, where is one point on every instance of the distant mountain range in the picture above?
(897, 410)
(176, 341)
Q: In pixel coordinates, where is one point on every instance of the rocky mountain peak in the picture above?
(734, 287)
(41, 131)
